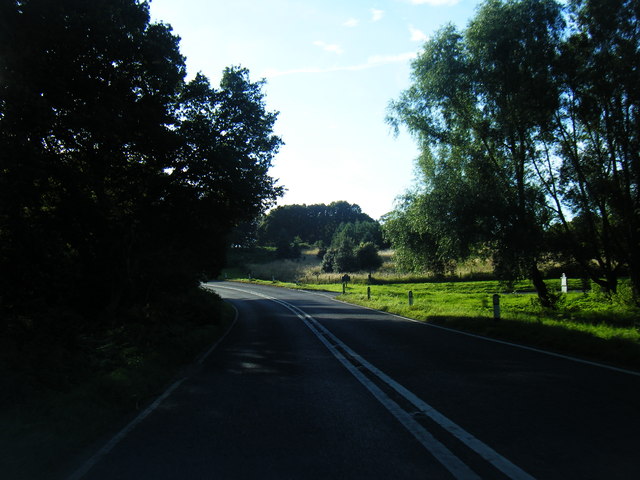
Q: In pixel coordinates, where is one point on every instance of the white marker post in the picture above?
(563, 283)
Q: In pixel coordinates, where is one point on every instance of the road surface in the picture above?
(306, 387)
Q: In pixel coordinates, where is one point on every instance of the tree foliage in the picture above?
(595, 133)
(315, 223)
(118, 180)
(526, 118)
(351, 250)
(346, 256)
(367, 257)
(359, 232)
(347, 238)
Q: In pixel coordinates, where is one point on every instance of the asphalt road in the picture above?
(305, 387)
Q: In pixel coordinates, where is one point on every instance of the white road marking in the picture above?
(486, 452)
(117, 438)
(458, 469)
(452, 463)
(495, 340)
(93, 460)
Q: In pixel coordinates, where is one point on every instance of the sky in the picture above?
(331, 68)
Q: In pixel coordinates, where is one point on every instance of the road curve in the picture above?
(305, 387)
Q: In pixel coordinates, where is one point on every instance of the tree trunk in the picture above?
(541, 288)
(634, 276)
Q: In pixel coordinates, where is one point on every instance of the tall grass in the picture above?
(261, 264)
(285, 270)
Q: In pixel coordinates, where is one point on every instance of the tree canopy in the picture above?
(119, 180)
(528, 123)
(313, 223)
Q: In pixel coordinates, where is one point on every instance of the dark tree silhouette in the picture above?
(118, 180)
(313, 223)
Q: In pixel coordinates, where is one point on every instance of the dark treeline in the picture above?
(314, 224)
(529, 128)
(347, 239)
(120, 181)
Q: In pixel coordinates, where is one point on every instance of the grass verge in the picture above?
(587, 325)
(55, 407)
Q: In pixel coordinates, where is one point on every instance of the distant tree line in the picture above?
(120, 181)
(347, 239)
(312, 224)
(528, 121)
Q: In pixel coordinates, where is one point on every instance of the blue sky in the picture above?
(331, 66)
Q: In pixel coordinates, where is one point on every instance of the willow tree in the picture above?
(479, 102)
(596, 136)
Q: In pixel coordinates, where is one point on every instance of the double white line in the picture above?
(447, 458)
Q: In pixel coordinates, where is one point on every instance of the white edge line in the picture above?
(472, 442)
(482, 449)
(450, 461)
(495, 340)
(490, 455)
(91, 462)
(488, 339)
(478, 446)
(117, 438)
(204, 356)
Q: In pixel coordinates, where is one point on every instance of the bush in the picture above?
(328, 261)
(286, 250)
(348, 258)
(367, 257)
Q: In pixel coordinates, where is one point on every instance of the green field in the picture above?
(585, 324)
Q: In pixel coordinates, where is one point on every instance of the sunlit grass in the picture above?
(589, 324)
(584, 324)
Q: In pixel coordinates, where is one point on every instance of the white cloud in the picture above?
(372, 62)
(376, 60)
(352, 22)
(417, 35)
(329, 47)
(435, 3)
(376, 15)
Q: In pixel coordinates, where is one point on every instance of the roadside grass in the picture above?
(584, 324)
(53, 409)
